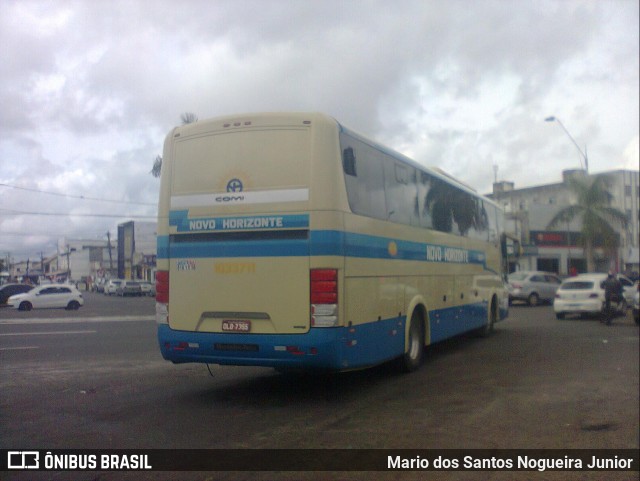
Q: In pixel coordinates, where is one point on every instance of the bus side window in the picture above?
(423, 184)
(399, 192)
(349, 161)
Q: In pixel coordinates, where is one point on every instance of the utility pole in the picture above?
(68, 264)
(110, 257)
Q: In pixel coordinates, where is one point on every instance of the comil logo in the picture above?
(23, 460)
(234, 185)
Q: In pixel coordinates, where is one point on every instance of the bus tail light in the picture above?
(324, 297)
(162, 287)
(162, 297)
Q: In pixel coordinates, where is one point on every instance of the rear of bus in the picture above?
(240, 280)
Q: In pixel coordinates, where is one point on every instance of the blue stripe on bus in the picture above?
(335, 348)
(263, 248)
(322, 243)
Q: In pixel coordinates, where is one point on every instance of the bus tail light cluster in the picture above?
(324, 297)
(162, 297)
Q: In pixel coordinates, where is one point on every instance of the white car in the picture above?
(111, 287)
(148, 289)
(48, 296)
(583, 295)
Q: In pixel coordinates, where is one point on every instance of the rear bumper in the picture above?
(326, 348)
(586, 306)
(317, 348)
(518, 295)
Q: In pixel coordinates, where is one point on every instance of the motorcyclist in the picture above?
(612, 293)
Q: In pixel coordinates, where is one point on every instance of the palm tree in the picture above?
(186, 118)
(157, 166)
(593, 208)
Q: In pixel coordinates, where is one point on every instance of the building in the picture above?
(131, 256)
(529, 210)
(84, 259)
(76, 260)
(27, 271)
(137, 250)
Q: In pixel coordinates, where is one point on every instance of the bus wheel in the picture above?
(412, 359)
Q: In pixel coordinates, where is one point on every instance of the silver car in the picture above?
(533, 287)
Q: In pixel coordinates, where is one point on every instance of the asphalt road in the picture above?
(71, 380)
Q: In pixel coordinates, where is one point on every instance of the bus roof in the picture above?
(274, 119)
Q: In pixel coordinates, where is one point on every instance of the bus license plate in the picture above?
(236, 326)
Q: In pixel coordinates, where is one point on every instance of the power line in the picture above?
(70, 196)
(93, 233)
(67, 214)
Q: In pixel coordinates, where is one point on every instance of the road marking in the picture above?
(50, 333)
(73, 320)
(18, 348)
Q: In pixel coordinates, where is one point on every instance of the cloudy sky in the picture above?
(89, 89)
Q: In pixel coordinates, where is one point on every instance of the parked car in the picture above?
(583, 295)
(111, 287)
(48, 296)
(533, 287)
(99, 284)
(148, 289)
(9, 290)
(129, 288)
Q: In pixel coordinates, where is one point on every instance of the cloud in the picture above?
(90, 89)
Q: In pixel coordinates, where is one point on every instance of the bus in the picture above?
(288, 240)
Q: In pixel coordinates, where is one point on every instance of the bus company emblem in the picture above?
(234, 185)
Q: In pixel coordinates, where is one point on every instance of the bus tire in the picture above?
(412, 358)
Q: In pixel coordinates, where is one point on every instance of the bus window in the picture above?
(349, 161)
(366, 190)
(400, 193)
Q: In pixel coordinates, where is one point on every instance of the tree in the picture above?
(593, 208)
(186, 118)
(157, 166)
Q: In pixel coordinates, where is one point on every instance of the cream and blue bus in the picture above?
(288, 240)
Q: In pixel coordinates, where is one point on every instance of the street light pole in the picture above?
(582, 154)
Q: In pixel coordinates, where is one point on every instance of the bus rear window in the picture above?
(261, 159)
